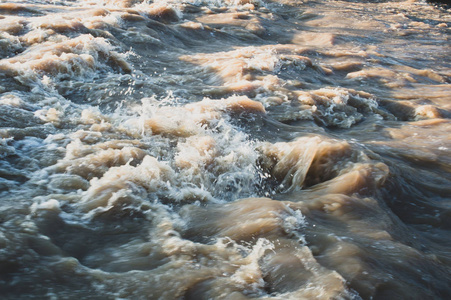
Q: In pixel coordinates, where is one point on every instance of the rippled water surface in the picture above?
(225, 149)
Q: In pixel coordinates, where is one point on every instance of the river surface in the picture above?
(225, 149)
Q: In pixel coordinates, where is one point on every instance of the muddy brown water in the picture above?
(225, 149)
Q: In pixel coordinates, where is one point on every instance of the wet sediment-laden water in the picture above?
(225, 149)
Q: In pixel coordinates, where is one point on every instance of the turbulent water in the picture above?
(225, 149)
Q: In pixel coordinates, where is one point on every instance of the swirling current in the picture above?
(225, 149)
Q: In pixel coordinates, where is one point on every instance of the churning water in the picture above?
(225, 149)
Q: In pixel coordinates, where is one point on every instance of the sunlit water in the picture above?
(225, 149)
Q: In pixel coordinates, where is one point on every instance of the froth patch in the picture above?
(428, 111)
(248, 68)
(234, 104)
(193, 119)
(95, 164)
(71, 57)
(209, 159)
(118, 184)
(12, 25)
(196, 153)
(397, 77)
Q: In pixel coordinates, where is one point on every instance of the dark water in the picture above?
(225, 149)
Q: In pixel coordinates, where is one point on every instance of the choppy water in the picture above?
(225, 149)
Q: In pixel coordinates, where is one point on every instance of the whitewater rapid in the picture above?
(225, 149)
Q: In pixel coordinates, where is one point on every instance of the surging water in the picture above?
(225, 150)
